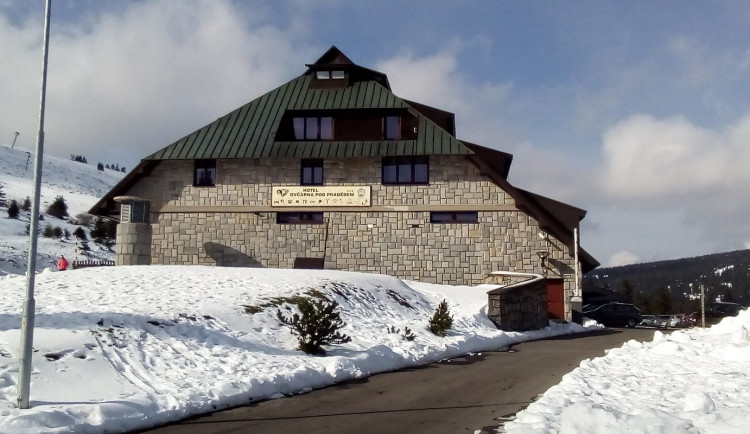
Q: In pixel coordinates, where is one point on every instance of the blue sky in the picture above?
(636, 111)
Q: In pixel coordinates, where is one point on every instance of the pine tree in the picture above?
(13, 209)
(316, 325)
(80, 233)
(100, 167)
(26, 206)
(58, 208)
(441, 321)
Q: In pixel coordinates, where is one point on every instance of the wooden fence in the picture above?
(91, 263)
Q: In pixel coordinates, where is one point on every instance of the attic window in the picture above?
(392, 128)
(313, 128)
(328, 75)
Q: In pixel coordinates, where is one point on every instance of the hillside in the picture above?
(81, 185)
(723, 275)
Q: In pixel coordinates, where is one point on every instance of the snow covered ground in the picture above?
(81, 185)
(124, 348)
(692, 381)
(120, 348)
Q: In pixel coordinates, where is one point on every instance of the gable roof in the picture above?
(249, 131)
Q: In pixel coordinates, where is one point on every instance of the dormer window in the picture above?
(330, 75)
(392, 128)
(313, 128)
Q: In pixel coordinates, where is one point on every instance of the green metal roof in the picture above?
(249, 131)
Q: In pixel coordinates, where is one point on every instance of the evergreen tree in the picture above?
(2, 196)
(441, 321)
(26, 206)
(48, 232)
(316, 325)
(58, 208)
(626, 289)
(100, 167)
(13, 209)
(80, 233)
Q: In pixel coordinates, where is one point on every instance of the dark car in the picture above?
(615, 315)
(720, 309)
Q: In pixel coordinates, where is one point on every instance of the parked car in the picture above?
(615, 314)
(648, 320)
(665, 321)
(720, 309)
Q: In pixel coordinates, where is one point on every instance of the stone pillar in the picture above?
(133, 243)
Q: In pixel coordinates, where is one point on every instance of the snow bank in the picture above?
(122, 348)
(693, 381)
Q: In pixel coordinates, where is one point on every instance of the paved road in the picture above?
(466, 394)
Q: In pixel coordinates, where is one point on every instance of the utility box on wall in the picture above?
(133, 244)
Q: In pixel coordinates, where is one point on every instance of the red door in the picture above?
(555, 299)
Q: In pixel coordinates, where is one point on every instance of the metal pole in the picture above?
(14, 140)
(27, 322)
(703, 306)
(575, 254)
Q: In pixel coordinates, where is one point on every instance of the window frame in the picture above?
(452, 217)
(300, 218)
(399, 164)
(303, 127)
(203, 168)
(389, 133)
(311, 164)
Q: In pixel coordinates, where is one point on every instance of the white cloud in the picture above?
(131, 82)
(649, 157)
(623, 258)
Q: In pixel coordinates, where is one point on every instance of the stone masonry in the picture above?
(233, 224)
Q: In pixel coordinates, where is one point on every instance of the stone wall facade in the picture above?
(233, 223)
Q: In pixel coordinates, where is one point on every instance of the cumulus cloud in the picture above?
(129, 82)
(438, 81)
(622, 258)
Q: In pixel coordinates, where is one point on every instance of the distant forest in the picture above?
(675, 285)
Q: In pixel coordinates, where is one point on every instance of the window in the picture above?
(328, 75)
(205, 173)
(313, 128)
(299, 218)
(406, 170)
(454, 217)
(392, 128)
(312, 171)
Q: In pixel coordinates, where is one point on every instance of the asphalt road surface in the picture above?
(463, 395)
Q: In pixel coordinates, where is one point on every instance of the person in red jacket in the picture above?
(62, 264)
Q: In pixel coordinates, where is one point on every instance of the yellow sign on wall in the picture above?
(320, 195)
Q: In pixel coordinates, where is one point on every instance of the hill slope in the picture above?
(723, 275)
(81, 185)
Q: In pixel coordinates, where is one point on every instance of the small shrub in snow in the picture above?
(316, 325)
(66, 233)
(2, 196)
(26, 206)
(407, 335)
(57, 232)
(48, 232)
(58, 208)
(13, 209)
(83, 219)
(441, 321)
(80, 233)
